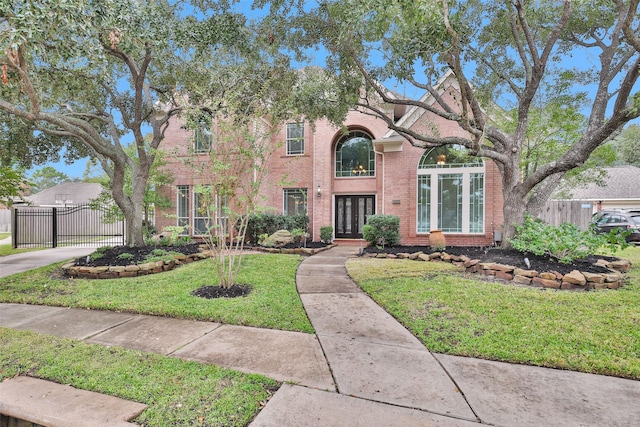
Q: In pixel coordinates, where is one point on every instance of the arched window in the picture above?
(450, 191)
(355, 155)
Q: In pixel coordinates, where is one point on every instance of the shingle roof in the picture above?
(70, 192)
(622, 182)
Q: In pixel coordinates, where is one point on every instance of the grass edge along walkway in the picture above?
(177, 392)
(454, 313)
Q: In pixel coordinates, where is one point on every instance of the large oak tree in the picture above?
(506, 55)
(103, 74)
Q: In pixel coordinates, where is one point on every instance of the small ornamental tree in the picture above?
(230, 179)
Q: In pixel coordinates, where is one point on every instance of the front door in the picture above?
(351, 215)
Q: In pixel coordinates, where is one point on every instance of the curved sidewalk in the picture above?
(386, 377)
(362, 368)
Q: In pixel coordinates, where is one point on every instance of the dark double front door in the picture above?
(351, 215)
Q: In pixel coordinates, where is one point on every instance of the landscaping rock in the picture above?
(279, 238)
(575, 278)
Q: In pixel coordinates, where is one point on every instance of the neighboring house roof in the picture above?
(69, 193)
(622, 182)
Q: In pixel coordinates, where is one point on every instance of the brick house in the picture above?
(339, 179)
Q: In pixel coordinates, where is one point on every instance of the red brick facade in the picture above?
(393, 186)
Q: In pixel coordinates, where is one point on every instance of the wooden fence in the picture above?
(574, 211)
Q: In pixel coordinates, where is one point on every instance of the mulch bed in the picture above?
(211, 292)
(506, 257)
(110, 256)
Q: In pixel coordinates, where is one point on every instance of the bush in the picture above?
(565, 242)
(382, 230)
(269, 223)
(326, 233)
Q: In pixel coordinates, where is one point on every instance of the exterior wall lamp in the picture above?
(319, 191)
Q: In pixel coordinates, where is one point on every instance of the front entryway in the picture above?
(351, 215)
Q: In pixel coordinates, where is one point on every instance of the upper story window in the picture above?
(295, 139)
(202, 134)
(355, 155)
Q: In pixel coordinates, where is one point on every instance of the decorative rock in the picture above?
(548, 276)
(503, 275)
(279, 238)
(503, 268)
(471, 262)
(614, 285)
(117, 268)
(521, 280)
(569, 286)
(435, 255)
(423, 257)
(545, 283)
(575, 277)
(601, 286)
(559, 275)
(594, 278)
(525, 273)
(403, 255)
(414, 256)
(602, 263)
(621, 265)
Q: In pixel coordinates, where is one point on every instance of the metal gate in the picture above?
(82, 225)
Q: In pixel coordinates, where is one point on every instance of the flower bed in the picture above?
(611, 277)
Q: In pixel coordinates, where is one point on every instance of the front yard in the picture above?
(451, 312)
(595, 332)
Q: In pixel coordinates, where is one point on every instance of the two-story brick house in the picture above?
(340, 179)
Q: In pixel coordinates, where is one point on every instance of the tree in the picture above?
(98, 72)
(231, 179)
(627, 146)
(11, 181)
(46, 177)
(158, 176)
(501, 55)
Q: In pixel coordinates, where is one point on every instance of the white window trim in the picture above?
(287, 139)
(466, 199)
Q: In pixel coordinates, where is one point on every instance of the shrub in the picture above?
(326, 233)
(382, 230)
(565, 242)
(125, 255)
(298, 234)
(269, 223)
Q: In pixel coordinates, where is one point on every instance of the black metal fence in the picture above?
(82, 225)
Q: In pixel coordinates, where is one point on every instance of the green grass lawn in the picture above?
(177, 392)
(273, 302)
(451, 312)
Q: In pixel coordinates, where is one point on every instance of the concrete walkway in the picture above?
(362, 368)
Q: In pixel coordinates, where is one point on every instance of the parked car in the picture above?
(619, 220)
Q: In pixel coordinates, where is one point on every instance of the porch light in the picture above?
(319, 191)
(441, 159)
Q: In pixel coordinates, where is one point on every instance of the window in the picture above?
(295, 201)
(201, 219)
(450, 191)
(202, 135)
(295, 139)
(355, 155)
(183, 208)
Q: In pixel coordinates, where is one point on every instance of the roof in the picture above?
(73, 193)
(622, 182)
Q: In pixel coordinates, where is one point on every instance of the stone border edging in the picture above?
(574, 280)
(134, 270)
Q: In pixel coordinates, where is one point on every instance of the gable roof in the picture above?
(69, 193)
(622, 182)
